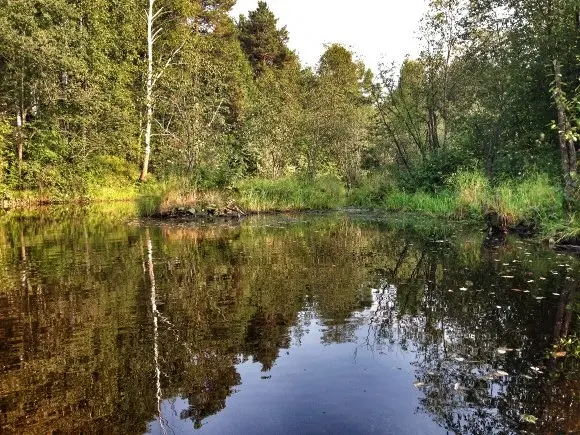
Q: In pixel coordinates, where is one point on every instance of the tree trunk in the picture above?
(20, 119)
(567, 148)
(149, 92)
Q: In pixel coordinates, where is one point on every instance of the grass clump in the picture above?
(285, 194)
(442, 204)
(529, 200)
(533, 199)
(472, 192)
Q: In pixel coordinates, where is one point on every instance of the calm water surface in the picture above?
(337, 323)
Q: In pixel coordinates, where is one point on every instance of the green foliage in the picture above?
(262, 41)
(372, 191)
(433, 172)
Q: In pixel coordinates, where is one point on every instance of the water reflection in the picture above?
(306, 324)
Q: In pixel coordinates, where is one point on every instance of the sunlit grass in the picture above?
(442, 204)
(251, 195)
(290, 194)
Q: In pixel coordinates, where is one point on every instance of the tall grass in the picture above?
(251, 195)
(442, 204)
(531, 199)
(286, 194)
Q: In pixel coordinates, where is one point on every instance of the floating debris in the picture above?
(542, 278)
(516, 290)
(459, 359)
(556, 294)
(501, 373)
(507, 276)
(539, 298)
(419, 384)
(463, 289)
(530, 280)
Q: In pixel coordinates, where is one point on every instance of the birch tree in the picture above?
(153, 75)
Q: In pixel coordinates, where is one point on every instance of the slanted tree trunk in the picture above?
(567, 147)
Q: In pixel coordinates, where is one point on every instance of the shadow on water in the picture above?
(308, 323)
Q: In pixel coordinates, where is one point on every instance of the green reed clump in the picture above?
(285, 194)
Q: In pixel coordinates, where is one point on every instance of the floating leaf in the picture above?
(528, 418)
(561, 354)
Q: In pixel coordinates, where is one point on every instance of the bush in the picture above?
(432, 173)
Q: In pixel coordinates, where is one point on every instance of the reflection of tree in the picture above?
(266, 334)
(447, 315)
(208, 385)
(155, 315)
(77, 339)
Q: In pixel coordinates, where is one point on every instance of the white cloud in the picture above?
(373, 29)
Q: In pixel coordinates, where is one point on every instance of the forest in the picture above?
(172, 99)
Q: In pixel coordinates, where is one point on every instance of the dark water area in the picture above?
(317, 323)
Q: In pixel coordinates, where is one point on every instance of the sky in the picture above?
(376, 30)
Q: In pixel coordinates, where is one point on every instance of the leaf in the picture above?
(529, 418)
(561, 354)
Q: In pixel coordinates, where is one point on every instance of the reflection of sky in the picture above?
(318, 388)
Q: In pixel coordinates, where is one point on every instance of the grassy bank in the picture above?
(251, 196)
(531, 202)
(534, 201)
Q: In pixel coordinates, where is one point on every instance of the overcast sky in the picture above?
(374, 29)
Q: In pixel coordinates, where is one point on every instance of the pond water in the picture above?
(315, 323)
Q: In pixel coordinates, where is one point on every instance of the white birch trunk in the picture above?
(149, 91)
